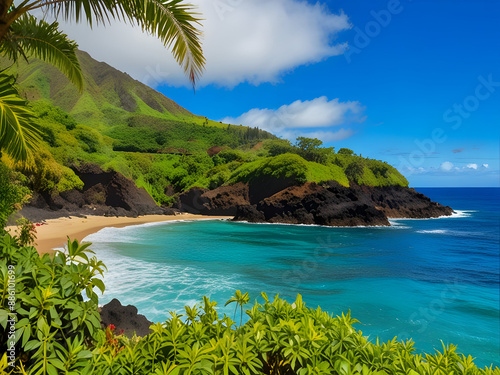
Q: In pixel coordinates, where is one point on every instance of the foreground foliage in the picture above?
(57, 332)
(54, 327)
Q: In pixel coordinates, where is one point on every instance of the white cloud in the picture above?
(447, 166)
(486, 166)
(308, 118)
(255, 41)
(472, 166)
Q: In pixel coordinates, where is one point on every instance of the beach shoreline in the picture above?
(52, 233)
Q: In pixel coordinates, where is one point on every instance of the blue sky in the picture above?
(414, 83)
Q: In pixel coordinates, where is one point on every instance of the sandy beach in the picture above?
(54, 232)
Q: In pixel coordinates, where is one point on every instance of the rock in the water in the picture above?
(125, 318)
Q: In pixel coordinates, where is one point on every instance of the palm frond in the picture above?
(31, 37)
(18, 133)
(172, 21)
(91, 11)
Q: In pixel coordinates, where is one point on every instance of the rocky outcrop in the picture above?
(401, 202)
(124, 318)
(315, 204)
(104, 193)
(223, 201)
(327, 204)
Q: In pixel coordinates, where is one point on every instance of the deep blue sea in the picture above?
(429, 280)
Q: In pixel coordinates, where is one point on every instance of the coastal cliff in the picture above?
(104, 193)
(327, 204)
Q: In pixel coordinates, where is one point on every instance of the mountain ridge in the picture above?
(107, 86)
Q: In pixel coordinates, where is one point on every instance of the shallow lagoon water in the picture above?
(429, 280)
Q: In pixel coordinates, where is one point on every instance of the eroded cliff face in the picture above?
(327, 204)
(104, 193)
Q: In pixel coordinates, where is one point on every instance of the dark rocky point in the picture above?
(330, 204)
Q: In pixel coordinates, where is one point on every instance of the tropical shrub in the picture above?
(311, 150)
(277, 147)
(44, 320)
(345, 151)
(278, 338)
(46, 174)
(12, 193)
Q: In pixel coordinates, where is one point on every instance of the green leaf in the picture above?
(58, 363)
(4, 315)
(98, 283)
(33, 344)
(26, 335)
(51, 369)
(84, 354)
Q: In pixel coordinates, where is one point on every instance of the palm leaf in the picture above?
(18, 133)
(173, 22)
(29, 36)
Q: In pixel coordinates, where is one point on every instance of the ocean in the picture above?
(432, 280)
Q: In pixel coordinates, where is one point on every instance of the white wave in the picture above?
(435, 231)
(315, 225)
(455, 214)
(128, 233)
(396, 225)
(461, 213)
(156, 288)
(448, 232)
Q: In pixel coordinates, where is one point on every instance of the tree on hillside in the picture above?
(345, 151)
(23, 35)
(310, 149)
(355, 170)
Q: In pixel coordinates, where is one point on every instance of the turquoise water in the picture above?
(429, 280)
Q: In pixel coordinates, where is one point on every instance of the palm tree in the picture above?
(23, 35)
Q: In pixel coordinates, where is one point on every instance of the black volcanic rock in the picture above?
(105, 193)
(314, 204)
(112, 189)
(331, 204)
(124, 318)
(222, 201)
(401, 202)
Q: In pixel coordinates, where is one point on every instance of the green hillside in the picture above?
(122, 124)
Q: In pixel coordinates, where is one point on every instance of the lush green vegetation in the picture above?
(123, 125)
(13, 193)
(289, 166)
(56, 331)
(167, 157)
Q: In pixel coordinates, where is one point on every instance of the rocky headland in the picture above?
(263, 200)
(329, 204)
